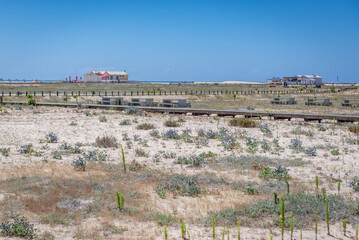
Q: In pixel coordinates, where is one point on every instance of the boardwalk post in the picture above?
(105, 93)
(50, 93)
(34, 93)
(79, 93)
(72, 93)
(57, 93)
(86, 93)
(26, 93)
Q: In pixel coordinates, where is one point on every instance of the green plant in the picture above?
(73, 124)
(242, 122)
(213, 228)
(291, 225)
(338, 187)
(5, 151)
(31, 101)
(102, 118)
(345, 226)
(183, 228)
(165, 232)
(224, 230)
(251, 190)
(327, 214)
(20, 227)
(287, 183)
(300, 234)
(123, 158)
(125, 122)
(282, 217)
(334, 152)
(316, 184)
(316, 223)
(239, 230)
(120, 200)
(356, 231)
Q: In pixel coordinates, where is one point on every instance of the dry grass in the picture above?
(145, 126)
(242, 122)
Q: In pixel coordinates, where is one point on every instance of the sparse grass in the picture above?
(145, 126)
(242, 122)
(302, 205)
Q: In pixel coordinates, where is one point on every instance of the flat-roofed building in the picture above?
(304, 80)
(106, 76)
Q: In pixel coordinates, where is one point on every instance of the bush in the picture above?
(251, 190)
(278, 173)
(51, 138)
(183, 185)
(5, 151)
(155, 133)
(311, 151)
(18, 106)
(131, 110)
(102, 119)
(355, 184)
(296, 144)
(145, 126)
(95, 156)
(171, 123)
(242, 122)
(19, 228)
(265, 130)
(88, 113)
(79, 164)
(171, 134)
(125, 122)
(335, 152)
(26, 149)
(106, 142)
(193, 160)
(31, 101)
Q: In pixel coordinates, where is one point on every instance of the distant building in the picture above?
(275, 80)
(106, 76)
(304, 80)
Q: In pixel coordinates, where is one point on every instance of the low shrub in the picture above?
(192, 160)
(171, 123)
(163, 219)
(354, 184)
(296, 144)
(278, 173)
(251, 190)
(125, 122)
(335, 152)
(95, 156)
(242, 122)
(106, 142)
(102, 118)
(181, 184)
(26, 149)
(171, 134)
(265, 130)
(20, 227)
(51, 138)
(145, 126)
(79, 164)
(155, 133)
(131, 110)
(5, 151)
(88, 113)
(311, 151)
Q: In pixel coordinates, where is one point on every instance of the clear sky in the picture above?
(179, 40)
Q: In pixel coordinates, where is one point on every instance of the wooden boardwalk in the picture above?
(198, 111)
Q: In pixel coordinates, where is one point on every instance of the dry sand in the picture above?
(18, 128)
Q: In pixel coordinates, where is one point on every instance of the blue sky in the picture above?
(179, 40)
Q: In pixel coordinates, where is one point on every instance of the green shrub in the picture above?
(20, 227)
(353, 129)
(181, 184)
(163, 219)
(242, 122)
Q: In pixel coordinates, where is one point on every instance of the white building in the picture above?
(304, 80)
